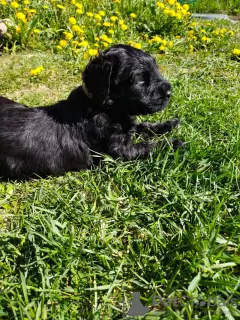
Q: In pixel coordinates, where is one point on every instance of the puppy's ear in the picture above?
(96, 78)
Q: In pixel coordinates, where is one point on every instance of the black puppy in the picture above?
(96, 117)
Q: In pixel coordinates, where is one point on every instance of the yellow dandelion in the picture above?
(105, 44)
(109, 40)
(33, 73)
(21, 16)
(102, 13)
(92, 52)
(36, 31)
(138, 45)
(160, 5)
(3, 2)
(113, 18)
(60, 6)
(63, 43)
(78, 5)
(166, 12)
(236, 52)
(178, 16)
(164, 42)
(68, 36)
(14, 5)
(96, 39)
(185, 7)
(79, 11)
(231, 33)
(98, 17)
(107, 24)
(84, 43)
(191, 48)
(85, 55)
(96, 45)
(18, 29)
(104, 37)
(124, 27)
(73, 1)
(111, 31)
(162, 48)
(133, 15)
(89, 14)
(72, 20)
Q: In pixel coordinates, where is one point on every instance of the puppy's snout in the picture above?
(168, 93)
(166, 86)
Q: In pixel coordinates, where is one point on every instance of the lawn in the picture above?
(78, 246)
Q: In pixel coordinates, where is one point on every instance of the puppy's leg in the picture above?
(121, 146)
(150, 129)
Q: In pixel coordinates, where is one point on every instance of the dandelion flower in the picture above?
(186, 7)
(21, 16)
(79, 11)
(36, 71)
(89, 14)
(110, 31)
(78, 5)
(138, 45)
(105, 44)
(162, 48)
(14, 5)
(113, 18)
(92, 52)
(60, 6)
(18, 29)
(104, 37)
(106, 24)
(84, 43)
(236, 52)
(109, 40)
(124, 27)
(133, 15)
(63, 43)
(160, 5)
(68, 36)
(102, 13)
(98, 17)
(72, 20)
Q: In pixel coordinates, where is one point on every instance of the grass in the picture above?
(231, 6)
(76, 247)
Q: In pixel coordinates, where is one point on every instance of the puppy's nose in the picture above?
(168, 93)
(166, 86)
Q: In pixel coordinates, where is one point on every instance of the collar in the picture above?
(87, 93)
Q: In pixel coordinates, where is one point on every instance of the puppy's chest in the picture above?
(106, 125)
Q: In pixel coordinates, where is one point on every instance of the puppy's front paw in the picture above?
(177, 144)
(173, 123)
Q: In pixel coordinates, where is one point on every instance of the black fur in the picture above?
(120, 83)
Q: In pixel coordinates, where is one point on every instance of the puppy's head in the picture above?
(127, 80)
